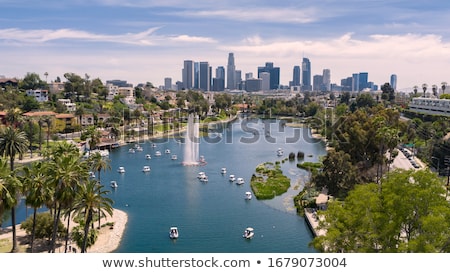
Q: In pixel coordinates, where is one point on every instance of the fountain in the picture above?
(192, 143)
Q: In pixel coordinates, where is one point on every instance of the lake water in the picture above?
(212, 216)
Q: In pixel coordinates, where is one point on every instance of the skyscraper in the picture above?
(326, 80)
(265, 77)
(231, 82)
(196, 83)
(204, 77)
(188, 74)
(220, 72)
(394, 81)
(274, 74)
(296, 76)
(355, 82)
(363, 80)
(168, 84)
(306, 75)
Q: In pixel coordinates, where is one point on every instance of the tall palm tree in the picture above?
(10, 198)
(67, 172)
(434, 88)
(424, 88)
(443, 86)
(4, 193)
(40, 123)
(37, 188)
(29, 127)
(48, 121)
(13, 142)
(91, 197)
(99, 163)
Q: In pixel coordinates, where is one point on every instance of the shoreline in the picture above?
(108, 238)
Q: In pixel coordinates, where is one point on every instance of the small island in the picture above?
(269, 181)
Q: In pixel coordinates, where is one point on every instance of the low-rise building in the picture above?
(430, 106)
(39, 94)
(71, 106)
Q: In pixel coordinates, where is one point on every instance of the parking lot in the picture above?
(406, 160)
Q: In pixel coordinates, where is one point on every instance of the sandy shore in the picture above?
(108, 239)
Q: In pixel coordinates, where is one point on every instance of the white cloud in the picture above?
(263, 15)
(144, 38)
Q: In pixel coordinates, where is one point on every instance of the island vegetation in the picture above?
(269, 181)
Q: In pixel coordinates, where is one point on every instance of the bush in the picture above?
(43, 227)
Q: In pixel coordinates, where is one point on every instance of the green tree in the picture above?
(388, 93)
(30, 129)
(410, 214)
(91, 197)
(37, 189)
(68, 172)
(41, 225)
(13, 142)
(99, 163)
(32, 81)
(339, 175)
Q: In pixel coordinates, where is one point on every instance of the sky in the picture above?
(146, 40)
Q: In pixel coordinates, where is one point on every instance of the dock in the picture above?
(313, 222)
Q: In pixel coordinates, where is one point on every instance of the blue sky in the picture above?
(142, 41)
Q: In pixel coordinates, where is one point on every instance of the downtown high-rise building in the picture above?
(306, 75)
(363, 81)
(394, 81)
(355, 82)
(265, 78)
(231, 72)
(274, 73)
(188, 74)
(296, 76)
(218, 83)
(204, 77)
(326, 75)
(168, 84)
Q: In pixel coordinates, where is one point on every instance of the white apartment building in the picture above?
(71, 106)
(39, 94)
(430, 106)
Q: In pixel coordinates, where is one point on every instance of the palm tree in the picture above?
(99, 163)
(13, 117)
(443, 86)
(424, 88)
(4, 193)
(38, 191)
(434, 88)
(48, 121)
(91, 198)
(40, 122)
(10, 200)
(13, 142)
(29, 128)
(67, 172)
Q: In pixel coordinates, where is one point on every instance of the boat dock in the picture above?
(313, 222)
(312, 218)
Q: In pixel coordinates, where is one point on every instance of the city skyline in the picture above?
(147, 41)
